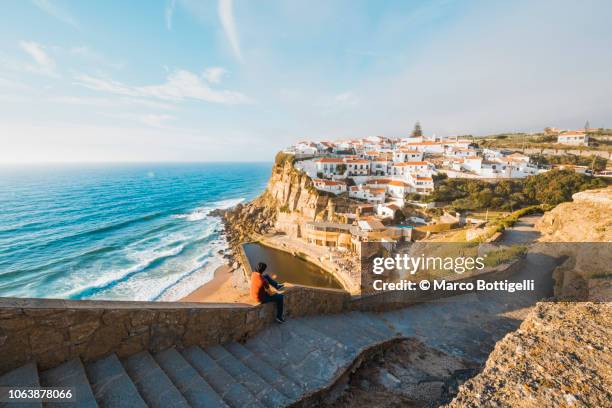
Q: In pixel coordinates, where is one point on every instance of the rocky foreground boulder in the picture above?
(587, 218)
(560, 357)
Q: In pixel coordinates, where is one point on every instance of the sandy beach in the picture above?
(221, 289)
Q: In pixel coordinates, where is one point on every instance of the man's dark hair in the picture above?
(261, 267)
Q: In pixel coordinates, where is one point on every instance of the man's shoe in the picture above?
(280, 320)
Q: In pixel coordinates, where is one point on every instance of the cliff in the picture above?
(587, 218)
(290, 199)
(581, 230)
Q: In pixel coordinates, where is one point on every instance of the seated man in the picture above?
(260, 290)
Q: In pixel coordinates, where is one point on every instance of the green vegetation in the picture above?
(552, 187)
(417, 132)
(593, 162)
(511, 219)
(282, 158)
(505, 255)
(543, 141)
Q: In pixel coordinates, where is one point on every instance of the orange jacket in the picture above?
(259, 287)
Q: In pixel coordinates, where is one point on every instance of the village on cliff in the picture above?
(385, 174)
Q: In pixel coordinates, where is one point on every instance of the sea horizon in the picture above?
(117, 230)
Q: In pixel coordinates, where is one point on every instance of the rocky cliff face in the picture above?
(588, 218)
(289, 200)
(581, 230)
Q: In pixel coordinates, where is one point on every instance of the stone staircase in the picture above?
(278, 367)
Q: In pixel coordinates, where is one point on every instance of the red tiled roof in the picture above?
(421, 163)
(329, 160)
(327, 182)
(423, 143)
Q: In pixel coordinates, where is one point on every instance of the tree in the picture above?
(417, 132)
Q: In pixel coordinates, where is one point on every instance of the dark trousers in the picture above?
(277, 298)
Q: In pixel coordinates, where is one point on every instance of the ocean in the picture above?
(116, 231)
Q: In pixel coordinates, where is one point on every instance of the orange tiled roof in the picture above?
(419, 163)
(327, 182)
(329, 160)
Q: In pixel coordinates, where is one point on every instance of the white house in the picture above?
(573, 138)
(369, 194)
(398, 189)
(331, 186)
(357, 167)
(327, 166)
(407, 155)
(472, 163)
(387, 210)
(405, 168)
(427, 147)
(380, 166)
(459, 152)
(423, 185)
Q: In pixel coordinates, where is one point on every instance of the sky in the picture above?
(238, 80)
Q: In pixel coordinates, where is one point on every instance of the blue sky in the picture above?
(203, 80)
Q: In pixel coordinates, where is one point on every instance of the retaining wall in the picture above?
(52, 331)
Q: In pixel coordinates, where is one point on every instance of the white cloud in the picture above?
(214, 74)
(346, 99)
(54, 10)
(179, 86)
(150, 119)
(110, 102)
(94, 56)
(169, 13)
(155, 120)
(43, 63)
(226, 15)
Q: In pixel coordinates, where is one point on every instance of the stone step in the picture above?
(306, 356)
(264, 392)
(24, 376)
(373, 324)
(70, 374)
(357, 327)
(156, 388)
(334, 329)
(378, 322)
(111, 385)
(270, 341)
(194, 388)
(232, 392)
(315, 337)
(270, 374)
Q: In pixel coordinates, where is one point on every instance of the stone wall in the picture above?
(51, 331)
